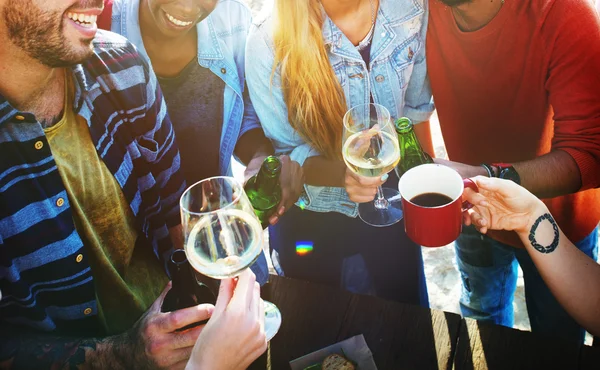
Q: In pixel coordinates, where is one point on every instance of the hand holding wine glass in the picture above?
(370, 151)
(362, 189)
(222, 235)
(235, 335)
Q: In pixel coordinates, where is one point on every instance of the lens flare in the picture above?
(303, 248)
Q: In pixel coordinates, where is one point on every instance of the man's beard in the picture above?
(40, 34)
(455, 2)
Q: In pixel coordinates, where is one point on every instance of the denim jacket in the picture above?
(221, 48)
(396, 77)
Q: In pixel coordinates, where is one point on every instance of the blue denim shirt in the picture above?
(221, 48)
(396, 77)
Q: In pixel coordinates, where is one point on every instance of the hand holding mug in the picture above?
(433, 204)
(501, 205)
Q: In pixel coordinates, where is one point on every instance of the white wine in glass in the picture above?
(371, 153)
(371, 149)
(222, 244)
(222, 235)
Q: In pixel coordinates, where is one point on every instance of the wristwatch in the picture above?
(507, 171)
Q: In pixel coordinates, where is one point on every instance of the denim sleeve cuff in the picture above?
(301, 153)
(419, 115)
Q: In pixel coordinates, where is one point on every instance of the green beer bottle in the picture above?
(264, 191)
(411, 152)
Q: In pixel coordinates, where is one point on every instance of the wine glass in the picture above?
(371, 149)
(222, 235)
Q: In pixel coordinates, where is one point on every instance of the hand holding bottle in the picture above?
(155, 341)
(288, 178)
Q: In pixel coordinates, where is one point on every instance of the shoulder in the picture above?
(561, 11)
(402, 11)
(113, 55)
(117, 7)
(566, 20)
(230, 15)
(262, 28)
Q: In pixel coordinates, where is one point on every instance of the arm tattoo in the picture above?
(540, 248)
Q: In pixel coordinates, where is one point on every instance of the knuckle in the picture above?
(148, 330)
(174, 320)
(153, 348)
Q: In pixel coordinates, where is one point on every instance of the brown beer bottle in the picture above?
(185, 290)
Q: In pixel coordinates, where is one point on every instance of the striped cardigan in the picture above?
(45, 277)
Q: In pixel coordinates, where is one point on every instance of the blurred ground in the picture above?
(443, 279)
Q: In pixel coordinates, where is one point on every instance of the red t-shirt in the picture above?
(523, 85)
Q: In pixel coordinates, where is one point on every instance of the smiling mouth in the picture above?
(177, 22)
(84, 20)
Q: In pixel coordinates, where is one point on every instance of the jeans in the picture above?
(489, 274)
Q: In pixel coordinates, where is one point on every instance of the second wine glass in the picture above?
(371, 149)
(222, 235)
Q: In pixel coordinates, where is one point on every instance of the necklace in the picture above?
(367, 40)
(462, 18)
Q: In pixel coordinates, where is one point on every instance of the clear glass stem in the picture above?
(380, 202)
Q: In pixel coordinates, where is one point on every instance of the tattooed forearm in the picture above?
(57, 353)
(532, 234)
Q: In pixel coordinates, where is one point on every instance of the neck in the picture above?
(339, 8)
(476, 14)
(25, 81)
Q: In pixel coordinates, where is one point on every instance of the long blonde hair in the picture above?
(312, 93)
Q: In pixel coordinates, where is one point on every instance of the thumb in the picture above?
(161, 298)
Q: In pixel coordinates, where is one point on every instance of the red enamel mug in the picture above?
(432, 203)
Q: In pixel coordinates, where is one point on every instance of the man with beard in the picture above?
(516, 89)
(89, 187)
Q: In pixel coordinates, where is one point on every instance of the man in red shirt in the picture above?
(517, 88)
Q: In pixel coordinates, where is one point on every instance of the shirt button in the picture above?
(379, 78)
(79, 258)
(19, 117)
(60, 202)
(223, 70)
(87, 311)
(39, 145)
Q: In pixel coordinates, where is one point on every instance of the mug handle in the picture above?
(468, 183)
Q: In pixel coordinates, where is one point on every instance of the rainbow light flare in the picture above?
(303, 248)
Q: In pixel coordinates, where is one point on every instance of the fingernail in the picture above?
(281, 210)
(385, 177)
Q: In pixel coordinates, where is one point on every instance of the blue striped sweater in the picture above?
(44, 282)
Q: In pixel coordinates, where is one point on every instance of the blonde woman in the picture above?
(307, 63)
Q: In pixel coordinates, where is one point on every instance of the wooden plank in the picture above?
(589, 358)
(490, 347)
(312, 317)
(402, 336)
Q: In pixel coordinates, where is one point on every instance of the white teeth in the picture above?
(176, 21)
(82, 18)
